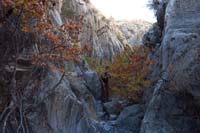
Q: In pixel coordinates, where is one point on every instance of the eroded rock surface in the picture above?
(134, 30)
(97, 30)
(177, 67)
(60, 110)
(130, 119)
(171, 105)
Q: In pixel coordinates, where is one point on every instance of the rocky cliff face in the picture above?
(134, 30)
(170, 105)
(67, 108)
(68, 105)
(97, 31)
(174, 104)
(105, 36)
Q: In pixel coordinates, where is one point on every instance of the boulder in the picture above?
(93, 83)
(99, 109)
(113, 107)
(169, 112)
(130, 119)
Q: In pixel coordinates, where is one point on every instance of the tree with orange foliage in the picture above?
(28, 25)
(61, 43)
(129, 71)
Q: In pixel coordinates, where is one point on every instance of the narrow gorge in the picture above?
(54, 53)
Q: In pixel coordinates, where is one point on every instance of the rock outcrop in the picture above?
(134, 30)
(53, 103)
(130, 119)
(174, 105)
(67, 108)
(172, 102)
(97, 30)
(105, 36)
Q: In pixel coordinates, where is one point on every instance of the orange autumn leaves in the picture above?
(55, 44)
(63, 46)
(129, 72)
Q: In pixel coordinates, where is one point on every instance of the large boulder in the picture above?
(170, 112)
(130, 119)
(113, 107)
(93, 83)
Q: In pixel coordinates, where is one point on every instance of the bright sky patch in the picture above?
(125, 9)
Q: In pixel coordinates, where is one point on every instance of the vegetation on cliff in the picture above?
(31, 43)
(128, 70)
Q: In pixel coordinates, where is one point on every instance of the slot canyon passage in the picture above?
(67, 68)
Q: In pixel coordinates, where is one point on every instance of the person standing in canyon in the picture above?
(105, 77)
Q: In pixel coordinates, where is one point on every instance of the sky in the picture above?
(125, 9)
